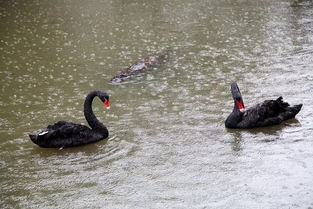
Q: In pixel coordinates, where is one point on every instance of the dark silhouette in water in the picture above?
(140, 67)
(67, 134)
(269, 112)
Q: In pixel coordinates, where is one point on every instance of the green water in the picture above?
(168, 147)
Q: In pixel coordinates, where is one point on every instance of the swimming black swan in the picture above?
(140, 67)
(269, 112)
(66, 134)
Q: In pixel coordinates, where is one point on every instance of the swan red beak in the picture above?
(240, 105)
(106, 104)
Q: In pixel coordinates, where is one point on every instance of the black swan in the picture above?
(66, 134)
(140, 67)
(269, 112)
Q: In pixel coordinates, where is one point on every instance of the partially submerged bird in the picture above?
(269, 112)
(140, 67)
(66, 134)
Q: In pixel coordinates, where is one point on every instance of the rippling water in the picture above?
(168, 146)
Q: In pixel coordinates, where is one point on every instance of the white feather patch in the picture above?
(43, 133)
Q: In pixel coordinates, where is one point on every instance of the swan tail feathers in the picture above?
(291, 112)
(296, 109)
(33, 137)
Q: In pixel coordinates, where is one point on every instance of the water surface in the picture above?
(168, 147)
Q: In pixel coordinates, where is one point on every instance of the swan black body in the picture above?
(269, 112)
(140, 67)
(66, 134)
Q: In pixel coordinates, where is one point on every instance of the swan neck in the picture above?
(92, 120)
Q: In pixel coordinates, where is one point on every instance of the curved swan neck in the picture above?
(92, 120)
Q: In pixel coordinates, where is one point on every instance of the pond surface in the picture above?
(168, 147)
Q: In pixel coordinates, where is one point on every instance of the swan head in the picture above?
(104, 97)
(237, 97)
